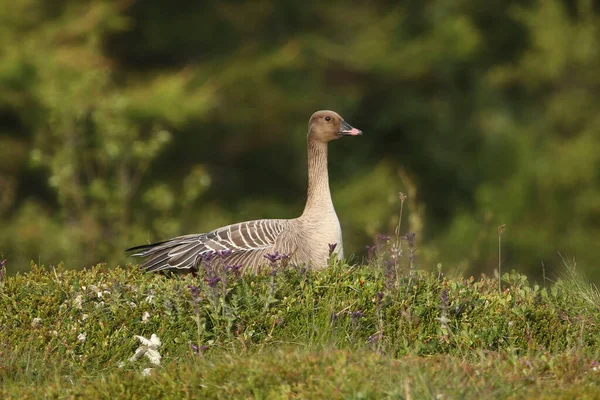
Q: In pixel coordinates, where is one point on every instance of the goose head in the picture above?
(325, 126)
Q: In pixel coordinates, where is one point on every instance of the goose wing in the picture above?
(244, 240)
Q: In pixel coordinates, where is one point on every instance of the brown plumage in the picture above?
(305, 239)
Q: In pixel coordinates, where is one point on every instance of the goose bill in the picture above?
(347, 130)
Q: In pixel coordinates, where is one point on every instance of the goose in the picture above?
(306, 240)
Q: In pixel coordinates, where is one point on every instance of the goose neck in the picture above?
(319, 196)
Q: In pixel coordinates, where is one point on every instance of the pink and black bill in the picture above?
(347, 130)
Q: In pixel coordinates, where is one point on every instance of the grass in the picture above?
(345, 332)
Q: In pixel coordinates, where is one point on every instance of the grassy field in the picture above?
(364, 332)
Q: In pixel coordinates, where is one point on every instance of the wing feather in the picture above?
(248, 241)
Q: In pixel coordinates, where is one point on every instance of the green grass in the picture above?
(345, 332)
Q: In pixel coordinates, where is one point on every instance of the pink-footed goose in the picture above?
(305, 239)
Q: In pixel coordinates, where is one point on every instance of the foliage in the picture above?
(342, 330)
(128, 122)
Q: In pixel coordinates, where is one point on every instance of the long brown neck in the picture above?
(319, 196)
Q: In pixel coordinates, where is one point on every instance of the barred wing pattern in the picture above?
(248, 241)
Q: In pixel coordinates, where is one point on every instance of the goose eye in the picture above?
(328, 118)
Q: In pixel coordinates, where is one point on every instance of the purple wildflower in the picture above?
(410, 237)
(357, 314)
(208, 257)
(371, 251)
(379, 298)
(213, 281)
(390, 273)
(224, 253)
(332, 247)
(444, 298)
(194, 291)
(236, 269)
(302, 269)
(383, 238)
(374, 338)
(198, 349)
(273, 258)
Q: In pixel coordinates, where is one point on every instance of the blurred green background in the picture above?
(123, 122)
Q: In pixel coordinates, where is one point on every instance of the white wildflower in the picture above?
(150, 298)
(147, 371)
(36, 322)
(81, 337)
(84, 317)
(121, 364)
(78, 301)
(145, 316)
(149, 349)
(99, 304)
(132, 304)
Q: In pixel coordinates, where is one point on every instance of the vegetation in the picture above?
(123, 122)
(347, 331)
